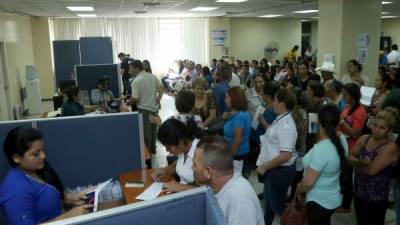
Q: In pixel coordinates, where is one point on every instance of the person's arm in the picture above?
(308, 181)
(243, 211)
(212, 115)
(237, 140)
(163, 173)
(386, 156)
(355, 130)
(160, 92)
(353, 156)
(173, 186)
(262, 121)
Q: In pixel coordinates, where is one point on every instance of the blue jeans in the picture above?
(276, 184)
(397, 201)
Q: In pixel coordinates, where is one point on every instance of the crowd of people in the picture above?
(299, 128)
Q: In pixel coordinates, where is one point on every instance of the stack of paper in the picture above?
(366, 95)
(151, 192)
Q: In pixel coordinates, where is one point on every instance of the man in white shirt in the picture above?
(147, 91)
(213, 166)
(394, 57)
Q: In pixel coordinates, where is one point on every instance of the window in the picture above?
(170, 31)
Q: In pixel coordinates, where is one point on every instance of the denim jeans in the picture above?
(276, 184)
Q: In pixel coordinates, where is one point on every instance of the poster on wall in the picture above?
(219, 37)
(362, 55)
(362, 40)
(225, 52)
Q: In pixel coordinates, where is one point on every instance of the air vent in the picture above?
(231, 13)
(150, 4)
(140, 12)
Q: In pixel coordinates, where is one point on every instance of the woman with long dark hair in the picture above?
(323, 165)
(31, 192)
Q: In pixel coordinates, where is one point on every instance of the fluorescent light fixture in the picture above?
(385, 13)
(204, 9)
(385, 3)
(80, 8)
(306, 11)
(232, 1)
(316, 17)
(305, 20)
(388, 17)
(270, 16)
(87, 15)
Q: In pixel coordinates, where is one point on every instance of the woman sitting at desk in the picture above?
(72, 107)
(180, 139)
(31, 193)
(102, 95)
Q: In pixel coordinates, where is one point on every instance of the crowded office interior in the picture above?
(231, 112)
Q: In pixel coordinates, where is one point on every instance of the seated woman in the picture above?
(102, 95)
(204, 105)
(31, 193)
(72, 107)
(179, 139)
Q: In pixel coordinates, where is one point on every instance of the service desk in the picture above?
(130, 194)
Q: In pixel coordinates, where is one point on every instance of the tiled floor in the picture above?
(159, 160)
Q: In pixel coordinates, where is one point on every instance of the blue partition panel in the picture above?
(191, 207)
(88, 75)
(90, 149)
(66, 56)
(96, 50)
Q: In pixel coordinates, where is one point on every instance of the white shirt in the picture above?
(184, 168)
(239, 202)
(145, 86)
(394, 57)
(347, 79)
(280, 136)
(253, 100)
(235, 81)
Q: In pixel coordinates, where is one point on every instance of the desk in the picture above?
(130, 194)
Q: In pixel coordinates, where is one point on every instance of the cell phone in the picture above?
(134, 184)
(90, 199)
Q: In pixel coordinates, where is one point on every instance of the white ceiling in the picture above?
(173, 8)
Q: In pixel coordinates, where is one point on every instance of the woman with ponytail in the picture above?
(323, 165)
(353, 119)
(374, 156)
(181, 140)
(278, 153)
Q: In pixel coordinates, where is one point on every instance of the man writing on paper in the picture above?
(213, 166)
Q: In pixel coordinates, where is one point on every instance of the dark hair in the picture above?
(335, 85)
(290, 101)
(18, 141)
(296, 47)
(357, 64)
(184, 101)
(172, 131)
(137, 64)
(254, 61)
(216, 153)
(354, 91)
(225, 71)
(148, 63)
(316, 88)
(329, 117)
(238, 98)
(121, 54)
(384, 77)
(206, 71)
(394, 47)
(270, 88)
(72, 92)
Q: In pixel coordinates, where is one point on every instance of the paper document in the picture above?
(254, 122)
(94, 198)
(151, 192)
(312, 123)
(366, 95)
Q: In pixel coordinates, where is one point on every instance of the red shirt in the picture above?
(356, 120)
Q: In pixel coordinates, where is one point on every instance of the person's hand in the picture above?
(172, 187)
(75, 198)
(79, 210)
(159, 174)
(261, 170)
(365, 161)
(155, 120)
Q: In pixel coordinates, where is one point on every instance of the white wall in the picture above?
(16, 32)
(390, 27)
(249, 36)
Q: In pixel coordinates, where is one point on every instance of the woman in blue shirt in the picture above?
(237, 127)
(31, 193)
(323, 165)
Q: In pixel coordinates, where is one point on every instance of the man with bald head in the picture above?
(213, 166)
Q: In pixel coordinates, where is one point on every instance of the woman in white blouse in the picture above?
(276, 162)
(181, 140)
